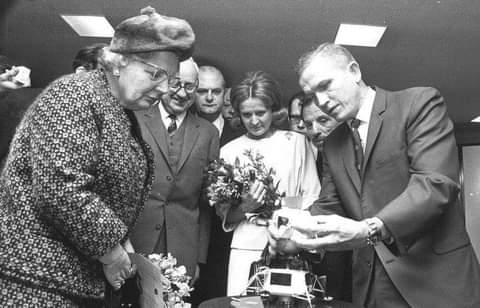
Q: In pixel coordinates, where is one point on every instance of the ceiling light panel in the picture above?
(359, 35)
(92, 26)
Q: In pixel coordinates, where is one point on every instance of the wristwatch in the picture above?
(374, 232)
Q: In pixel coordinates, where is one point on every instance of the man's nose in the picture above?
(300, 124)
(209, 96)
(322, 100)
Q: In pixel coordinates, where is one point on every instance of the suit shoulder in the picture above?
(206, 125)
(417, 93)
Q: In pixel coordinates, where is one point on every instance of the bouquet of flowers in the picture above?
(225, 183)
(175, 281)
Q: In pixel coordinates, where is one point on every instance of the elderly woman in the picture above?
(78, 173)
(257, 101)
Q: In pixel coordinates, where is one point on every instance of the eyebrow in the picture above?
(322, 85)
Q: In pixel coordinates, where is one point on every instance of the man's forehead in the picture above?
(312, 112)
(318, 70)
(210, 78)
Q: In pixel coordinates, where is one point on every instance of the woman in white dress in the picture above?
(257, 102)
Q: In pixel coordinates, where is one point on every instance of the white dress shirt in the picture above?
(219, 123)
(165, 117)
(364, 114)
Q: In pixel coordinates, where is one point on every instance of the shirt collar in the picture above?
(365, 111)
(166, 120)
(219, 123)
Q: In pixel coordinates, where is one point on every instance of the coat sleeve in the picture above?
(433, 168)
(64, 146)
(205, 209)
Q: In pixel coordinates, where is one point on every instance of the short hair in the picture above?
(212, 69)
(88, 56)
(308, 100)
(261, 85)
(297, 96)
(338, 52)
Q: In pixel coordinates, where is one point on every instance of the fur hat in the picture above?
(153, 32)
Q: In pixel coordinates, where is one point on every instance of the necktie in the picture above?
(173, 124)
(357, 142)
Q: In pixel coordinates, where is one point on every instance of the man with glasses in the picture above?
(183, 144)
(295, 120)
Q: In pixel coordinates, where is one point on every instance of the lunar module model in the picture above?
(287, 276)
(285, 282)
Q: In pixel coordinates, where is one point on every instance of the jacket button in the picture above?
(158, 227)
(169, 178)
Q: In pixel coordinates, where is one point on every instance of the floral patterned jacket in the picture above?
(74, 183)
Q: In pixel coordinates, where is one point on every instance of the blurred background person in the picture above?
(227, 110)
(318, 125)
(78, 173)
(257, 101)
(295, 120)
(87, 58)
(15, 97)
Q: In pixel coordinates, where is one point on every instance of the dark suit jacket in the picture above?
(410, 181)
(174, 200)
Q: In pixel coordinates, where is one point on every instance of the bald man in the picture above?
(209, 102)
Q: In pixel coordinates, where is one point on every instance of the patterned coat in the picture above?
(75, 181)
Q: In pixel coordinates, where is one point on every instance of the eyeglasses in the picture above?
(158, 74)
(176, 84)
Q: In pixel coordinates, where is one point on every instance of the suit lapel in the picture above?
(349, 157)
(154, 123)
(189, 139)
(376, 120)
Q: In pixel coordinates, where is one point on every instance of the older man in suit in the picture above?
(391, 178)
(174, 219)
(209, 101)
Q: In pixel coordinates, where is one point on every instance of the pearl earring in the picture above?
(116, 72)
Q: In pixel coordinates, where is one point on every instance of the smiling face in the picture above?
(138, 87)
(317, 123)
(335, 84)
(177, 102)
(256, 117)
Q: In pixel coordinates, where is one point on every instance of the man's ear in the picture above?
(354, 69)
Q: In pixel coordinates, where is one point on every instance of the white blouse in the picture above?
(291, 156)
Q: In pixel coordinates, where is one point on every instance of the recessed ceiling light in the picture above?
(359, 35)
(94, 26)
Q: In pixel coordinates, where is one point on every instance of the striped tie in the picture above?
(173, 124)
(357, 145)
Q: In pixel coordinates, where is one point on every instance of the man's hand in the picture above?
(330, 232)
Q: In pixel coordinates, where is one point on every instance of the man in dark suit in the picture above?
(183, 144)
(209, 102)
(391, 188)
